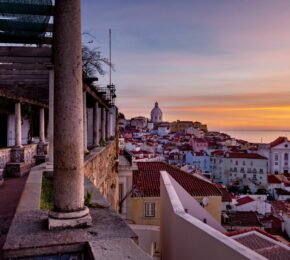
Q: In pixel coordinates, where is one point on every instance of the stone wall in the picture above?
(101, 168)
(5, 157)
(30, 150)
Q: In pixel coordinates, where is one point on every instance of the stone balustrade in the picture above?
(101, 168)
(5, 157)
(30, 152)
(28, 157)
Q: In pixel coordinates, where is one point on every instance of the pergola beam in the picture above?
(9, 59)
(10, 95)
(25, 77)
(27, 9)
(21, 72)
(24, 26)
(22, 66)
(10, 38)
(13, 82)
(25, 51)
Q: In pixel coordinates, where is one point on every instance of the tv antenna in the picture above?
(110, 55)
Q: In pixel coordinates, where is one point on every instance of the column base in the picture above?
(17, 154)
(49, 166)
(42, 148)
(39, 159)
(64, 220)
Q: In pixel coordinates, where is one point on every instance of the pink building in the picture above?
(199, 144)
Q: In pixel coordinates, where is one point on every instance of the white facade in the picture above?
(278, 153)
(259, 206)
(280, 157)
(228, 169)
(163, 130)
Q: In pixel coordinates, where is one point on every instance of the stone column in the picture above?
(113, 121)
(85, 122)
(104, 123)
(68, 176)
(18, 134)
(108, 124)
(41, 126)
(50, 116)
(96, 124)
(99, 124)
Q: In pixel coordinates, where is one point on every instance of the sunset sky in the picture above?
(222, 62)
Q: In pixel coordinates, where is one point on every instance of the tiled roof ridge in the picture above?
(244, 200)
(149, 172)
(278, 141)
(247, 230)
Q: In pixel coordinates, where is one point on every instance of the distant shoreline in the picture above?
(257, 136)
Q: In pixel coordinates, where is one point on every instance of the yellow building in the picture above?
(178, 126)
(143, 206)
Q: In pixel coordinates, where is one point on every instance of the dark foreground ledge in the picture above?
(108, 238)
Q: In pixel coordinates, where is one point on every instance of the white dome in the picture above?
(156, 114)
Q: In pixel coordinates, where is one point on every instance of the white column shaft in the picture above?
(96, 124)
(18, 134)
(41, 125)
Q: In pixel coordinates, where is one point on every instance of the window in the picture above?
(286, 156)
(276, 157)
(149, 209)
(244, 163)
(237, 163)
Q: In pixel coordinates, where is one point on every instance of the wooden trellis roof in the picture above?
(24, 73)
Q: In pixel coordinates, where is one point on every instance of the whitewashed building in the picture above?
(278, 153)
(240, 167)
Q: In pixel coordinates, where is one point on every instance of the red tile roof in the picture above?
(146, 181)
(246, 156)
(280, 206)
(217, 152)
(246, 230)
(262, 243)
(243, 218)
(226, 195)
(279, 140)
(272, 179)
(244, 200)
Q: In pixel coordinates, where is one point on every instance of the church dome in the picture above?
(156, 114)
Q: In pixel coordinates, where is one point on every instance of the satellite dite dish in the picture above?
(205, 201)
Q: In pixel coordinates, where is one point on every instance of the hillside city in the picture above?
(253, 178)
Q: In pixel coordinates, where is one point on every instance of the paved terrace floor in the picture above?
(10, 193)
